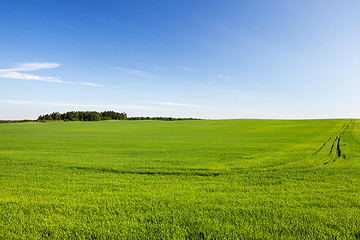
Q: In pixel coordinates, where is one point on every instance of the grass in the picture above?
(224, 179)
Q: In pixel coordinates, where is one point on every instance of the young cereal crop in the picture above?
(223, 179)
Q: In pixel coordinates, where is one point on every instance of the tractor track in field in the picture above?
(322, 146)
(184, 172)
(335, 148)
(336, 143)
(351, 133)
(355, 139)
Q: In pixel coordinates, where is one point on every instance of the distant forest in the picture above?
(83, 116)
(98, 116)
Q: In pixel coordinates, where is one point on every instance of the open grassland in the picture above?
(225, 179)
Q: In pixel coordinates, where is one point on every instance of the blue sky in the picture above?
(206, 59)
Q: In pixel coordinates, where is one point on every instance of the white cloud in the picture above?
(191, 69)
(26, 76)
(245, 97)
(133, 72)
(16, 73)
(177, 104)
(91, 84)
(66, 25)
(187, 68)
(170, 104)
(61, 104)
(249, 98)
(223, 76)
(159, 68)
(31, 66)
(234, 93)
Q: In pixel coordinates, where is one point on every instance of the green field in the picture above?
(218, 179)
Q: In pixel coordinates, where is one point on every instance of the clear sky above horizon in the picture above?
(204, 59)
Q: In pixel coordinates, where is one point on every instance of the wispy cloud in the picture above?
(134, 72)
(245, 97)
(17, 73)
(26, 76)
(223, 76)
(170, 104)
(31, 66)
(91, 84)
(234, 93)
(248, 98)
(66, 25)
(191, 69)
(159, 68)
(61, 104)
(82, 84)
(177, 104)
(187, 68)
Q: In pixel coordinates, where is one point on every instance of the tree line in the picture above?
(98, 116)
(16, 121)
(83, 116)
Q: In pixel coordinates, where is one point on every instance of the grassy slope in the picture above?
(187, 179)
